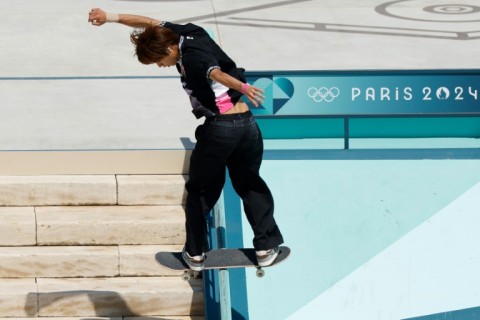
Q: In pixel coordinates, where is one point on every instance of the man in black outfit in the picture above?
(229, 138)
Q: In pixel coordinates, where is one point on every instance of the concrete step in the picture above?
(106, 225)
(17, 226)
(140, 260)
(18, 298)
(62, 190)
(92, 261)
(32, 262)
(82, 246)
(151, 189)
(58, 190)
(100, 297)
(91, 225)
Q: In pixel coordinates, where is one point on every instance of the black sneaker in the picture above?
(267, 257)
(196, 263)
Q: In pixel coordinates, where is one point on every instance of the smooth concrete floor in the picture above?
(65, 84)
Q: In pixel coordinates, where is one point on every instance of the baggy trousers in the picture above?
(234, 142)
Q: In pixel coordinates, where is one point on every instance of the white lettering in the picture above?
(473, 93)
(426, 94)
(385, 94)
(355, 93)
(458, 93)
(407, 94)
(370, 94)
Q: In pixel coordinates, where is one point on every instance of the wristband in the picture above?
(244, 87)
(111, 17)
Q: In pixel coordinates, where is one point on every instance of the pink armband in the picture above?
(244, 87)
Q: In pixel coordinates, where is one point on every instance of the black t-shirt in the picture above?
(198, 56)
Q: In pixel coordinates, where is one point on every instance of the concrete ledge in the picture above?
(110, 225)
(58, 262)
(91, 261)
(57, 190)
(17, 226)
(151, 189)
(119, 296)
(94, 162)
(140, 261)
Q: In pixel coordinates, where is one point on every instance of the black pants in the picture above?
(233, 142)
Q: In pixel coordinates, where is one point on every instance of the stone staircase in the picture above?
(83, 246)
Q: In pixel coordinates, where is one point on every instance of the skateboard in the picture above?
(219, 259)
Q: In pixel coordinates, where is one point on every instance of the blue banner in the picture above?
(368, 93)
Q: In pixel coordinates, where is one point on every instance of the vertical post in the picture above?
(346, 133)
(234, 239)
(223, 277)
(220, 301)
(210, 277)
(216, 282)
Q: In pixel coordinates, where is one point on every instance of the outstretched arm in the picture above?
(98, 17)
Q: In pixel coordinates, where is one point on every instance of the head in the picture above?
(156, 44)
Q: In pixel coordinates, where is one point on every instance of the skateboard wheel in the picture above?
(260, 273)
(186, 276)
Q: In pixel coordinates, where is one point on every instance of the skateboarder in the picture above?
(229, 137)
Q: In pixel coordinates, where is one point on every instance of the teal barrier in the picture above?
(368, 93)
(368, 104)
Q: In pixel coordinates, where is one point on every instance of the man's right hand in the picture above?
(97, 17)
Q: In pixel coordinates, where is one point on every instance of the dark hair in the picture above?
(151, 43)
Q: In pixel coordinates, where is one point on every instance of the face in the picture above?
(169, 60)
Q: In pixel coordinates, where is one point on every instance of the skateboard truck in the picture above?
(188, 274)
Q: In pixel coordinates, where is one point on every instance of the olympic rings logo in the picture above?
(323, 94)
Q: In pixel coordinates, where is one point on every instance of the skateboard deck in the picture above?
(220, 259)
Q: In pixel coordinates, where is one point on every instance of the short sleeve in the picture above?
(200, 64)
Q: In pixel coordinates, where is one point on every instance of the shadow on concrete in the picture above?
(105, 304)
